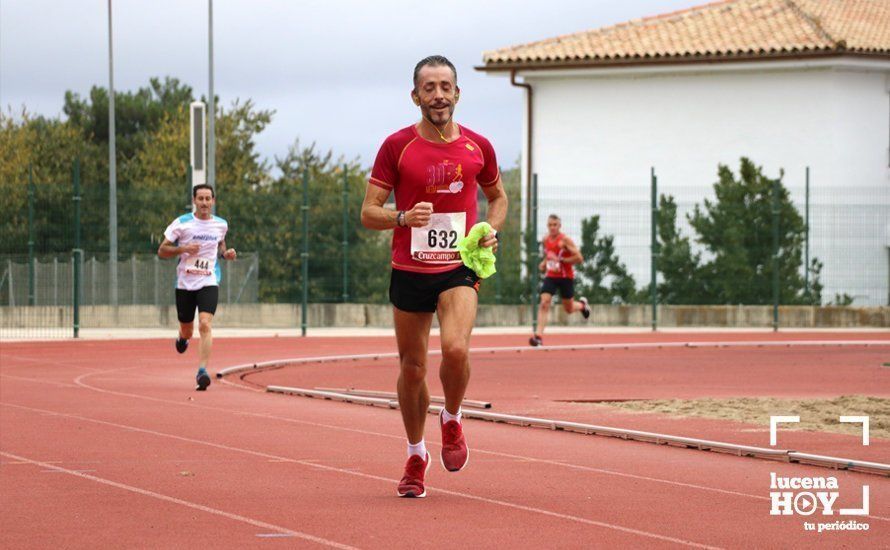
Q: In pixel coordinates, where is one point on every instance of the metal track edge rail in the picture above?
(633, 435)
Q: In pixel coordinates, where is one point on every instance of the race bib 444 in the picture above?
(195, 265)
(436, 242)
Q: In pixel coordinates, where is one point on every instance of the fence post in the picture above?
(775, 255)
(94, 280)
(133, 268)
(77, 258)
(497, 289)
(304, 256)
(55, 280)
(11, 289)
(36, 281)
(157, 262)
(653, 287)
(345, 233)
(533, 203)
(806, 233)
(30, 235)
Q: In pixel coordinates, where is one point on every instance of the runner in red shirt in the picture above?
(435, 168)
(560, 254)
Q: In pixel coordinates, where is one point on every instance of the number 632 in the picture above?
(442, 239)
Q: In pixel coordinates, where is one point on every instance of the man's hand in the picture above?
(419, 216)
(191, 248)
(489, 240)
(542, 267)
(230, 254)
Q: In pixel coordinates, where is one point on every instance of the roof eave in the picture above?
(673, 60)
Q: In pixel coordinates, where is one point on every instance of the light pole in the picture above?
(211, 104)
(112, 171)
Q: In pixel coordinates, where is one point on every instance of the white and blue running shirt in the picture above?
(195, 271)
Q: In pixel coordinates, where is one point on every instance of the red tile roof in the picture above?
(727, 30)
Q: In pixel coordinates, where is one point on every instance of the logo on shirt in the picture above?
(444, 177)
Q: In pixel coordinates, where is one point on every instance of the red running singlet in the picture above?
(445, 174)
(553, 255)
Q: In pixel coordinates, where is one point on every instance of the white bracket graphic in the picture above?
(858, 420)
(773, 420)
(860, 511)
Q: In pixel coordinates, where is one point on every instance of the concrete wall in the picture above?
(361, 315)
(597, 133)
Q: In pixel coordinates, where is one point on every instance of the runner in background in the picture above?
(560, 254)
(199, 239)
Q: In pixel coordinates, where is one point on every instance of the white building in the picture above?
(789, 84)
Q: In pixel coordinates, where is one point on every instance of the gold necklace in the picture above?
(441, 135)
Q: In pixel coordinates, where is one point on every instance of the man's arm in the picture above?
(226, 253)
(170, 250)
(376, 216)
(497, 210)
(574, 256)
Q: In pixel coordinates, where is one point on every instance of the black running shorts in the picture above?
(419, 292)
(204, 300)
(564, 285)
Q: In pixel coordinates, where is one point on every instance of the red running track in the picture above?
(104, 444)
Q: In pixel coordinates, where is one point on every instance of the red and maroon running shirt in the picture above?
(444, 174)
(553, 255)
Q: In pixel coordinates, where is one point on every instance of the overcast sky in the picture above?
(336, 72)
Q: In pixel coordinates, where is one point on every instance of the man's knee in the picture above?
(569, 306)
(454, 353)
(545, 302)
(413, 370)
(204, 326)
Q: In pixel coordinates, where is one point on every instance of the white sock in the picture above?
(448, 417)
(418, 449)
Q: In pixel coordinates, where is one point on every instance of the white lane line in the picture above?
(39, 381)
(79, 381)
(506, 504)
(174, 500)
(240, 386)
(43, 362)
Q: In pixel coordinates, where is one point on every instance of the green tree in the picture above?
(735, 233)
(280, 244)
(137, 114)
(158, 189)
(679, 267)
(507, 286)
(603, 278)
(47, 147)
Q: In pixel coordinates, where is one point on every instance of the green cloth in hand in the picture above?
(480, 259)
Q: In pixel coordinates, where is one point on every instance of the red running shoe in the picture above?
(411, 485)
(455, 453)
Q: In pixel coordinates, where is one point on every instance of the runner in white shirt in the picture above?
(199, 240)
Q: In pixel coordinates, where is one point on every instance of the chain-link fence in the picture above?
(145, 279)
(748, 240)
(37, 295)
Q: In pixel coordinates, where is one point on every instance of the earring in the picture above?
(456, 97)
